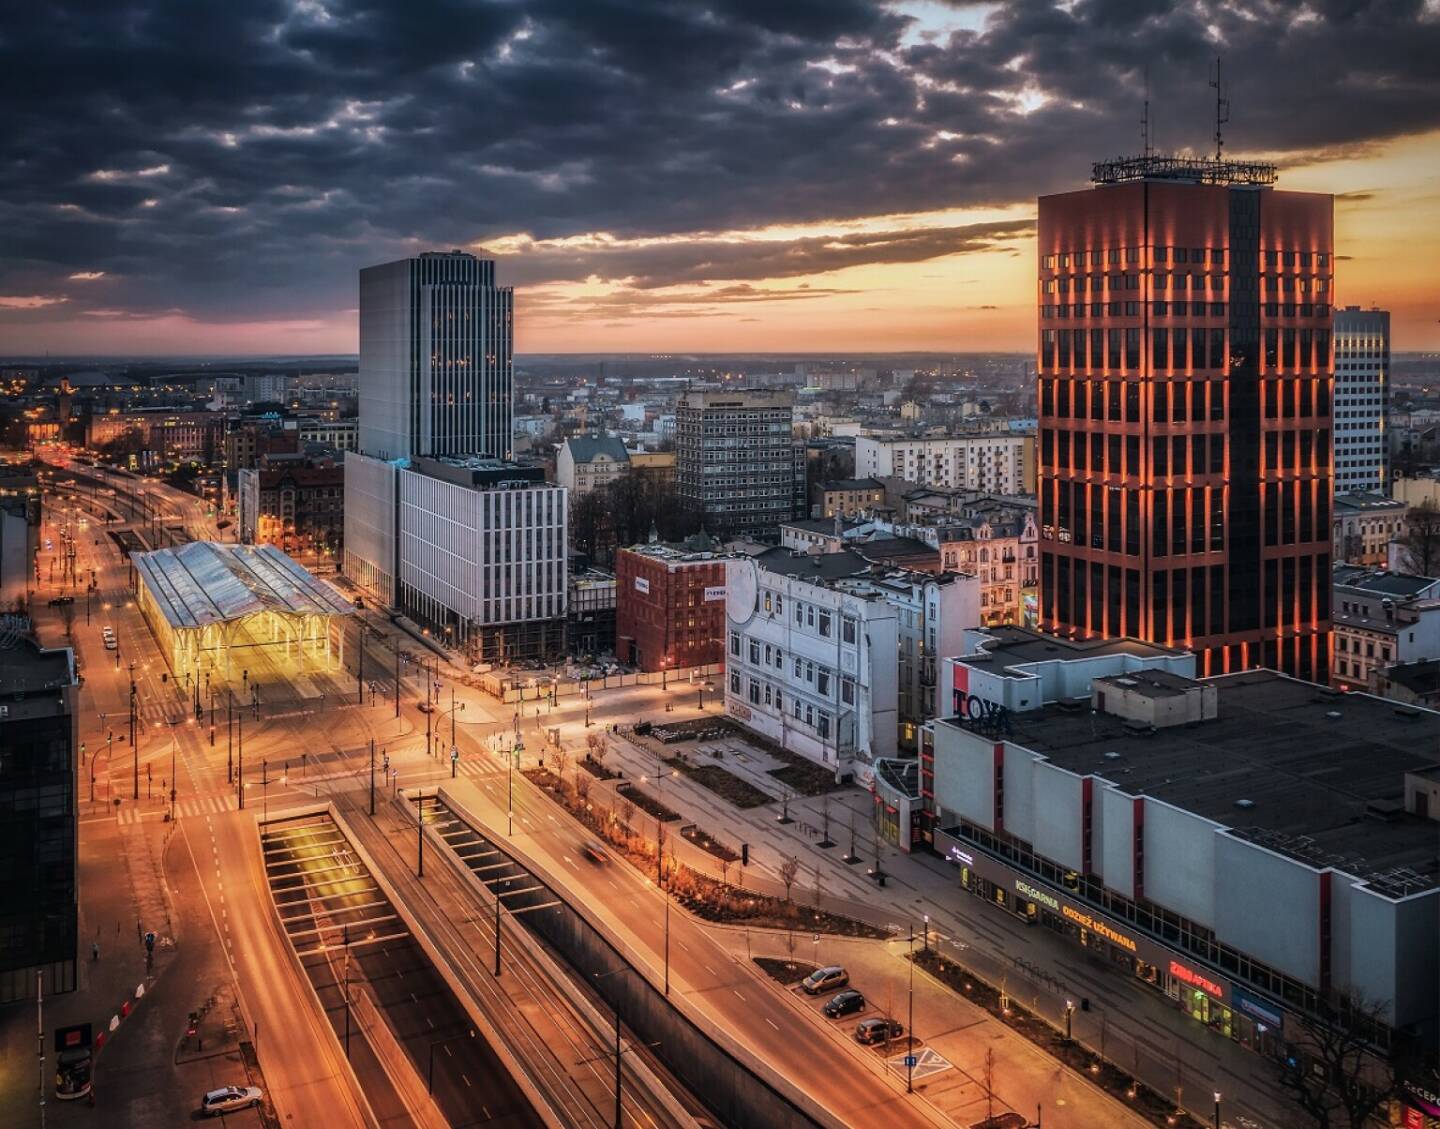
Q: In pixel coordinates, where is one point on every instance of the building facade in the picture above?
(39, 790)
(295, 504)
(994, 463)
(737, 462)
(1185, 373)
(1362, 386)
(1364, 526)
(812, 667)
(483, 556)
(591, 613)
(1199, 836)
(590, 462)
(670, 605)
(436, 358)
(1381, 619)
(850, 496)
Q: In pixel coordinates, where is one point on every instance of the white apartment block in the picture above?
(1380, 618)
(995, 463)
(811, 666)
(1362, 384)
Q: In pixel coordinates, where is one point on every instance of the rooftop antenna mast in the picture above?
(1145, 116)
(1222, 110)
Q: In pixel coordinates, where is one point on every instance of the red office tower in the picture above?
(1185, 372)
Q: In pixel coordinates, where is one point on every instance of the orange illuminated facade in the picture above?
(1185, 386)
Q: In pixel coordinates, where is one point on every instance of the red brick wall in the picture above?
(672, 621)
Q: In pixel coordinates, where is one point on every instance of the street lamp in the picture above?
(1069, 1016)
(515, 750)
(702, 687)
(1217, 1109)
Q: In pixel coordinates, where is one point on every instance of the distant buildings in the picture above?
(1364, 526)
(590, 613)
(20, 502)
(436, 358)
(1381, 619)
(590, 462)
(850, 496)
(1185, 361)
(737, 462)
(1362, 386)
(294, 503)
(39, 794)
(158, 436)
(998, 463)
(670, 605)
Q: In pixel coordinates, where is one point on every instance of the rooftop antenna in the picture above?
(1222, 109)
(1145, 115)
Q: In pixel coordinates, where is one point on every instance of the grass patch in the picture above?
(648, 803)
(723, 783)
(702, 839)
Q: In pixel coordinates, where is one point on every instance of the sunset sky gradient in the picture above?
(741, 175)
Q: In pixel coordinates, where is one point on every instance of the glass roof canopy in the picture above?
(206, 582)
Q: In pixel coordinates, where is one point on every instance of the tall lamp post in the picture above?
(515, 750)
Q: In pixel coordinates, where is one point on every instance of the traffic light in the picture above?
(744, 854)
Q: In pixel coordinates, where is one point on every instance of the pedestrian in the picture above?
(94, 950)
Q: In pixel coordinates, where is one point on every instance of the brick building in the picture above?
(296, 504)
(670, 605)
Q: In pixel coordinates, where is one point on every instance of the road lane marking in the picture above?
(772, 1023)
(738, 996)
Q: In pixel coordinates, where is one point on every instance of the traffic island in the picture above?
(784, 972)
(1154, 1107)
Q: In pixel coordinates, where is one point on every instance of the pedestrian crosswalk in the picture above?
(184, 809)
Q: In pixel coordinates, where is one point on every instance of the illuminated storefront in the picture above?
(1203, 994)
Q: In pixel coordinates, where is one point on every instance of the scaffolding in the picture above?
(205, 599)
(1193, 170)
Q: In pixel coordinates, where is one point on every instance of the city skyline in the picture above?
(854, 176)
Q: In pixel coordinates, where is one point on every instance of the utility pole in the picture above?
(910, 1023)
(397, 676)
(229, 735)
(419, 836)
(360, 670)
(240, 751)
(134, 748)
(40, 1023)
(372, 776)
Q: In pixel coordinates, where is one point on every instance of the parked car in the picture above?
(110, 644)
(825, 979)
(877, 1030)
(227, 1099)
(847, 1002)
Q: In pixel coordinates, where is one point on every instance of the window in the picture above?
(825, 624)
(847, 691)
(809, 615)
(767, 601)
(822, 682)
(734, 683)
(754, 652)
(822, 725)
(735, 644)
(754, 692)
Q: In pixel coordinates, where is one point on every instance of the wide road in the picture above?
(702, 974)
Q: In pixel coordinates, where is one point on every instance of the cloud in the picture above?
(29, 301)
(247, 159)
(87, 275)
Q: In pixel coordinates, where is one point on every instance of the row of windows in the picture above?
(1165, 253)
(762, 692)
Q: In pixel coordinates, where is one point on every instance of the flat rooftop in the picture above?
(1303, 770)
(1149, 683)
(1021, 646)
(27, 668)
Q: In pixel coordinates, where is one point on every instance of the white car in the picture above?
(227, 1099)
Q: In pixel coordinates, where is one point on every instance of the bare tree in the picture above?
(788, 871)
(562, 758)
(627, 812)
(1332, 1073)
(1420, 543)
(582, 786)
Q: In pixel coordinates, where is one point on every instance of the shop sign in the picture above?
(959, 857)
(716, 592)
(740, 710)
(1099, 928)
(1197, 980)
(1261, 1010)
(642, 585)
(1025, 890)
(1422, 1098)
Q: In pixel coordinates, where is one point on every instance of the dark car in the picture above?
(595, 853)
(877, 1030)
(847, 1002)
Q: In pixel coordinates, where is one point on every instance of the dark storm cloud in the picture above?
(242, 160)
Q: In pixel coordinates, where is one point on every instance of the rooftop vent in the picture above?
(1246, 804)
(1334, 715)
(1112, 755)
(1126, 682)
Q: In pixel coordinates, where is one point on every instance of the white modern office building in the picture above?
(810, 665)
(474, 549)
(1249, 845)
(1362, 384)
(998, 463)
(436, 358)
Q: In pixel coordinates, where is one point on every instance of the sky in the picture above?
(186, 177)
